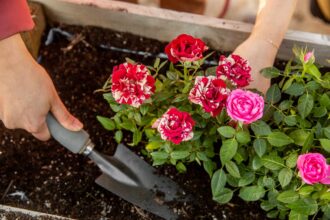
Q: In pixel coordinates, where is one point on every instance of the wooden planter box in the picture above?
(164, 25)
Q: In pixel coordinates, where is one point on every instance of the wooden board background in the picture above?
(164, 25)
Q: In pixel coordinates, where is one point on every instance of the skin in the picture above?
(261, 47)
(27, 93)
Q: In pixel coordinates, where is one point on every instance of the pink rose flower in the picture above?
(185, 48)
(309, 56)
(132, 84)
(175, 126)
(245, 106)
(313, 168)
(210, 93)
(235, 69)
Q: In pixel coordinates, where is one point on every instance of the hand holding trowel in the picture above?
(124, 173)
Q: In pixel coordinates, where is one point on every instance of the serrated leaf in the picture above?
(285, 104)
(137, 136)
(279, 139)
(299, 136)
(224, 196)
(325, 143)
(226, 131)
(296, 89)
(261, 128)
(246, 179)
(178, 155)
(107, 123)
(285, 176)
(273, 162)
(297, 216)
(257, 163)
(251, 193)
(288, 196)
(305, 206)
(287, 84)
(305, 105)
(228, 150)
(144, 109)
(326, 132)
(260, 146)
(319, 112)
(243, 137)
(232, 169)
(291, 161)
(290, 120)
(273, 94)
(306, 190)
(209, 167)
(325, 101)
(270, 72)
(218, 182)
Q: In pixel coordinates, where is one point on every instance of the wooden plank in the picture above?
(164, 25)
(32, 38)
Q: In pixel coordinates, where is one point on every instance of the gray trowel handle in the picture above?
(75, 141)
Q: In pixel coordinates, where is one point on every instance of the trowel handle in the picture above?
(75, 141)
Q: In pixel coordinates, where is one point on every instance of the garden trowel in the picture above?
(124, 174)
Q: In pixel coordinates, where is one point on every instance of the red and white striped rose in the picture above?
(132, 84)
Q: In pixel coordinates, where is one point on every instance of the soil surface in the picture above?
(45, 177)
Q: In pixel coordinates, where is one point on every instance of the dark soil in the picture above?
(55, 181)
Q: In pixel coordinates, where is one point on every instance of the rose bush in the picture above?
(271, 148)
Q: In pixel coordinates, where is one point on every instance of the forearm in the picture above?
(273, 21)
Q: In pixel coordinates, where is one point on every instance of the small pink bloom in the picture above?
(210, 93)
(132, 84)
(235, 69)
(185, 48)
(175, 126)
(245, 106)
(313, 168)
(308, 56)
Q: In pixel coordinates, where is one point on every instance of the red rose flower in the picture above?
(185, 48)
(236, 69)
(132, 84)
(209, 92)
(175, 126)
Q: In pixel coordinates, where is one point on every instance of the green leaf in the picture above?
(306, 190)
(202, 156)
(257, 163)
(308, 142)
(209, 167)
(228, 150)
(232, 169)
(305, 206)
(287, 84)
(285, 104)
(273, 214)
(296, 89)
(251, 193)
(314, 71)
(226, 131)
(297, 216)
(267, 182)
(178, 155)
(299, 136)
(180, 98)
(128, 125)
(153, 145)
(243, 137)
(159, 85)
(278, 117)
(107, 123)
(156, 63)
(266, 205)
(279, 139)
(260, 146)
(172, 75)
(288, 196)
(181, 167)
(159, 155)
(129, 60)
(144, 109)
(325, 143)
(273, 94)
(312, 86)
(273, 162)
(270, 72)
(325, 101)
(246, 179)
(290, 120)
(326, 132)
(118, 136)
(116, 107)
(261, 128)
(291, 161)
(285, 176)
(218, 182)
(319, 112)
(137, 136)
(305, 105)
(325, 196)
(224, 196)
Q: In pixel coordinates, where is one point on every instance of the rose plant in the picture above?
(270, 148)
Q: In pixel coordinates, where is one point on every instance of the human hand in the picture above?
(27, 93)
(260, 54)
